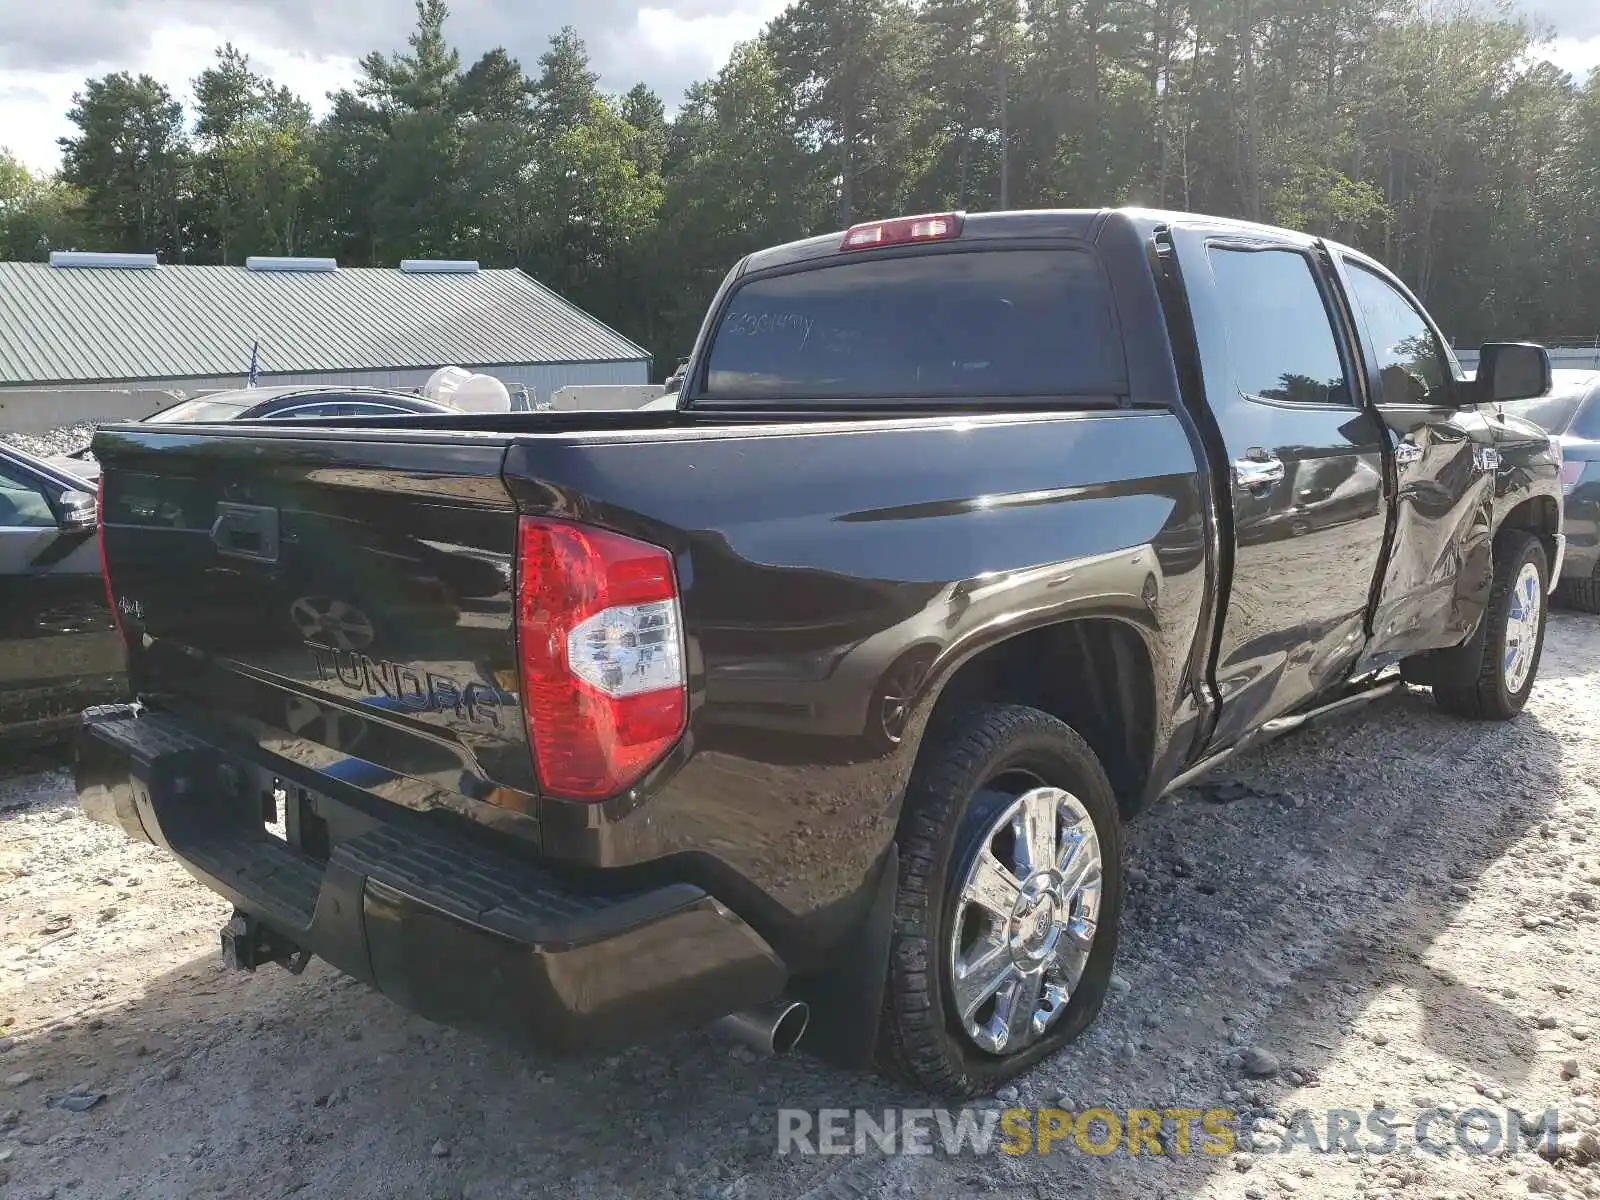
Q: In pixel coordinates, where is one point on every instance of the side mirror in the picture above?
(1511, 371)
(79, 511)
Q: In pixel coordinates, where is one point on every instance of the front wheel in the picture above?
(1009, 895)
(1513, 635)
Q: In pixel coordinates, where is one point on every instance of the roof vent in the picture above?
(260, 262)
(95, 258)
(439, 266)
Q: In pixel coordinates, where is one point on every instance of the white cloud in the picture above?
(32, 115)
(48, 47)
(701, 42)
(1576, 56)
(672, 48)
(34, 104)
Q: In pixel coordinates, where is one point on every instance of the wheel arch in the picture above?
(1095, 673)
(1538, 515)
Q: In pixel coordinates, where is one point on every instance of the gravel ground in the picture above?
(67, 439)
(1396, 910)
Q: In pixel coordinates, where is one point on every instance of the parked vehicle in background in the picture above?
(59, 650)
(830, 690)
(592, 397)
(294, 402)
(1571, 413)
(675, 381)
(284, 403)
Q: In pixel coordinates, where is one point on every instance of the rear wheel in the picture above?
(1514, 635)
(1009, 894)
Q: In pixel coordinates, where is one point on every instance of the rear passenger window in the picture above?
(1280, 341)
(1411, 362)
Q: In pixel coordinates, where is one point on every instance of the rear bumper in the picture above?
(453, 931)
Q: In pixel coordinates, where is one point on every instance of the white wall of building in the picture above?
(1569, 358)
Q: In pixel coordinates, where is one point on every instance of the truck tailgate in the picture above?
(344, 600)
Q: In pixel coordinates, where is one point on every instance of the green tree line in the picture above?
(1430, 136)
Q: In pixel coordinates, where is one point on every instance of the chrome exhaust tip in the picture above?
(771, 1028)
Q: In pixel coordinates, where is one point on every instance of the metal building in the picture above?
(101, 321)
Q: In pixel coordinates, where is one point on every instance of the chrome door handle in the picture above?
(1258, 469)
(1406, 453)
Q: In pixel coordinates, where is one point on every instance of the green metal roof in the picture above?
(85, 325)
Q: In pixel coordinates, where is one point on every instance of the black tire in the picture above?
(1487, 698)
(946, 810)
(1582, 595)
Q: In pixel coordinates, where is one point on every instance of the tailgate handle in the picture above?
(246, 531)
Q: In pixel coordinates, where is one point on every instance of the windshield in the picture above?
(1024, 323)
(198, 410)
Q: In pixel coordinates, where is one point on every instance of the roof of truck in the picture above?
(1068, 223)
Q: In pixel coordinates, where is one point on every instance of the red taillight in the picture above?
(1571, 472)
(931, 228)
(601, 649)
(105, 565)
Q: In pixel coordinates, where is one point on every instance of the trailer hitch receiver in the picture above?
(248, 944)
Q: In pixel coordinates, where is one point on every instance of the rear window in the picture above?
(1550, 413)
(1001, 323)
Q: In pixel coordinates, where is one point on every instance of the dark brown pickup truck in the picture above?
(824, 695)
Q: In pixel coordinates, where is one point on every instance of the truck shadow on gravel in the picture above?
(1331, 881)
(1321, 918)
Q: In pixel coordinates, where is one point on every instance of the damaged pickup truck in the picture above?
(814, 707)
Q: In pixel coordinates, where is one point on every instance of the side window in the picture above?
(22, 501)
(1280, 340)
(311, 411)
(1411, 363)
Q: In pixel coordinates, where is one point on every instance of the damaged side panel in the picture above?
(1436, 582)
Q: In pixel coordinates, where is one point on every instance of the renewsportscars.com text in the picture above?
(1159, 1131)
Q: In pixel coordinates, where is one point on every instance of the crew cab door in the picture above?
(1437, 576)
(1305, 487)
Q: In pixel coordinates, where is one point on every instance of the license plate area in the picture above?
(291, 814)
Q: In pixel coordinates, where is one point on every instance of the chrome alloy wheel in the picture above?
(1025, 919)
(1523, 617)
